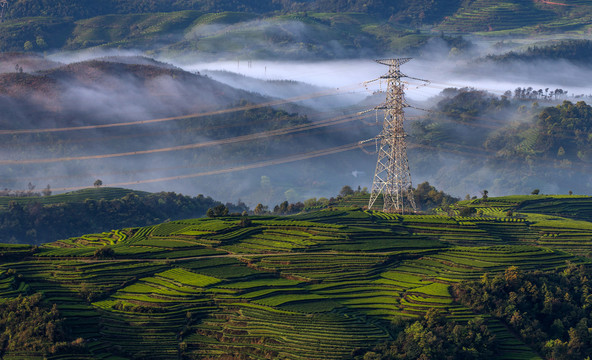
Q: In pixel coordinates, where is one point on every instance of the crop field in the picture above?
(488, 16)
(79, 196)
(311, 286)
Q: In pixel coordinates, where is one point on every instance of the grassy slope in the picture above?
(314, 285)
(254, 35)
(317, 33)
(106, 193)
(517, 17)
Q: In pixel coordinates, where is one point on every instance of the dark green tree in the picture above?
(346, 190)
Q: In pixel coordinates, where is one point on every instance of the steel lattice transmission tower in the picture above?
(3, 5)
(392, 178)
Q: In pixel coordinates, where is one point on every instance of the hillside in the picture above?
(39, 219)
(270, 29)
(212, 36)
(78, 196)
(113, 111)
(521, 137)
(79, 9)
(324, 284)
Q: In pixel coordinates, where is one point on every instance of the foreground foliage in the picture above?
(552, 311)
(29, 325)
(435, 338)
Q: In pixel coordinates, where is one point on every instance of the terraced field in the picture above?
(488, 15)
(311, 286)
(75, 196)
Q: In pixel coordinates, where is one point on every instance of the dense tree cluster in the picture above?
(561, 134)
(428, 197)
(551, 311)
(565, 130)
(458, 117)
(28, 324)
(472, 121)
(435, 338)
(35, 223)
(286, 208)
(466, 104)
(217, 211)
(578, 51)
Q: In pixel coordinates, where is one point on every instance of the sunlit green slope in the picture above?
(316, 285)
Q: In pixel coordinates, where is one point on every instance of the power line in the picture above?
(102, 138)
(241, 138)
(181, 117)
(292, 158)
(413, 145)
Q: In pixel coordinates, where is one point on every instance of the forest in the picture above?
(434, 337)
(551, 311)
(35, 223)
(577, 51)
(479, 119)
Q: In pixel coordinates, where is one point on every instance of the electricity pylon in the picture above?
(392, 178)
(3, 5)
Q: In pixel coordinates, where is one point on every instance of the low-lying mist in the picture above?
(103, 88)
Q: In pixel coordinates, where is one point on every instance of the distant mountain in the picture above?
(133, 118)
(52, 89)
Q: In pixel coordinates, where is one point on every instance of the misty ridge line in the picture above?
(182, 117)
(288, 159)
(264, 134)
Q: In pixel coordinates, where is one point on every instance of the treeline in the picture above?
(427, 197)
(435, 338)
(34, 223)
(533, 94)
(577, 51)
(550, 311)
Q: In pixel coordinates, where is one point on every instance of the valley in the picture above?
(193, 179)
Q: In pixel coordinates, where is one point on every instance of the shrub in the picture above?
(104, 252)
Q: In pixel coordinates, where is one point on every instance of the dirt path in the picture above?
(236, 256)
